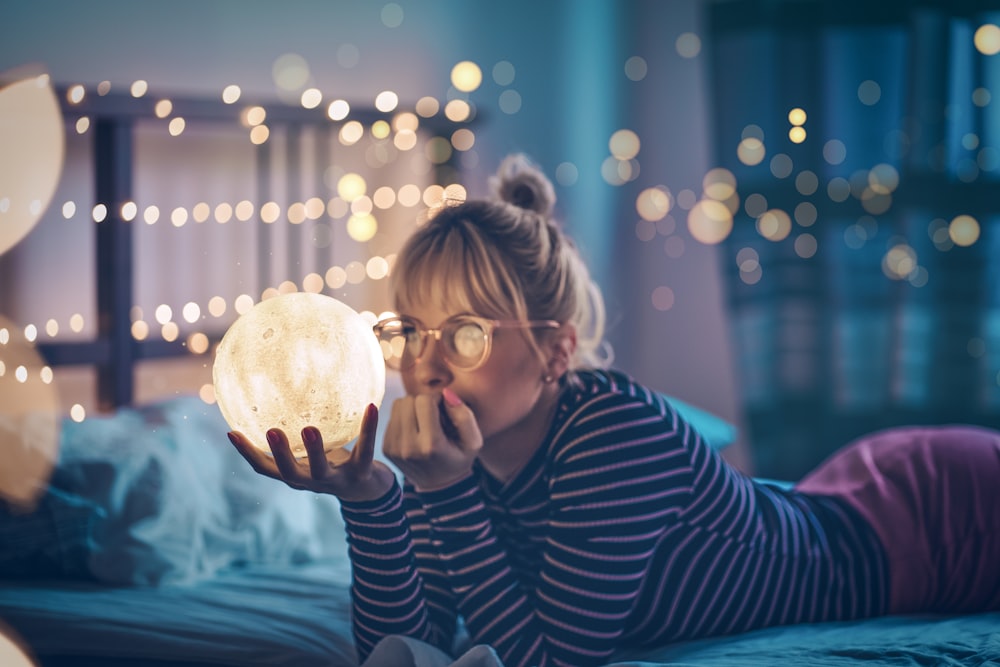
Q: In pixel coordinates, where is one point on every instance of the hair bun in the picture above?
(519, 182)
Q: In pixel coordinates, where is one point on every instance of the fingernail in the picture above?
(450, 397)
(272, 437)
(232, 437)
(309, 434)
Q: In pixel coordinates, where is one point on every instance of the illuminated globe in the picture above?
(298, 360)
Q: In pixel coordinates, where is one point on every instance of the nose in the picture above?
(431, 370)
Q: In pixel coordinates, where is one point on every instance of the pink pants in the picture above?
(932, 494)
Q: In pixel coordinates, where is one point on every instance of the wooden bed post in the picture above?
(113, 187)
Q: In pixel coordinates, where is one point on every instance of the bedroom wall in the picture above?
(581, 72)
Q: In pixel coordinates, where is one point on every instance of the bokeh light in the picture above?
(466, 76)
(688, 45)
(458, 111)
(361, 228)
(710, 221)
(231, 94)
(338, 110)
(348, 55)
(964, 230)
(351, 133)
(624, 144)
(392, 15)
(781, 166)
(755, 205)
(653, 204)
(567, 173)
(163, 108)
(751, 151)
(290, 72)
(869, 93)
(987, 39)
(504, 73)
(351, 186)
(427, 106)
(774, 225)
(510, 101)
(806, 245)
(386, 101)
(719, 184)
(748, 262)
(663, 298)
(636, 68)
(899, 262)
(834, 151)
(311, 98)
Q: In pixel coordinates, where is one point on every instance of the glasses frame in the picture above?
(486, 324)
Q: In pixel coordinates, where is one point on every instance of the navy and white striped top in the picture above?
(624, 530)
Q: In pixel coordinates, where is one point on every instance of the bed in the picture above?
(179, 554)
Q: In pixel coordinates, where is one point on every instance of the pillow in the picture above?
(714, 430)
(51, 539)
(174, 501)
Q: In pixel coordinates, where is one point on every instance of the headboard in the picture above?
(174, 213)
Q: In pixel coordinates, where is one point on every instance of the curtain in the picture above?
(863, 269)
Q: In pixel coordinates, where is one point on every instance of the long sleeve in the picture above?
(616, 478)
(624, 529)
(387, 590)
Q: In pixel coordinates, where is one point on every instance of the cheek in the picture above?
(500, 394)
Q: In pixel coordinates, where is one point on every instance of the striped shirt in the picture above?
(624, 530)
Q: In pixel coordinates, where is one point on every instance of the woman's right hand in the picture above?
(359, 478)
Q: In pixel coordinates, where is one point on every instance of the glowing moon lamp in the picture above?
(32, 143)
(29, 420)
(297, 360)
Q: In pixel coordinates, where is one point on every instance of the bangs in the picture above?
(449, 265)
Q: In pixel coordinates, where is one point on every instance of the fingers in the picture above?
(287, 465)
(402, 423)
(469, 438)
(426, 408)
(319, 467)
(364, 448)
(258, 460)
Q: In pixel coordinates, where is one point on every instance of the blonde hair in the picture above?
(506, 257)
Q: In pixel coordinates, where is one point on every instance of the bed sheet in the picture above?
(265, 615)
(969, 640)
(300, 616)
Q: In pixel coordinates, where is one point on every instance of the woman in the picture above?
(561, 511)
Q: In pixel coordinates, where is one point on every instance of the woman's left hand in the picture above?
(429, 451)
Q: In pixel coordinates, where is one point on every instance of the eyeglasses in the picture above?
(466, 339)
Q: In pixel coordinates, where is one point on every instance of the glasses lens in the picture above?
(465, 343)
(400, 342)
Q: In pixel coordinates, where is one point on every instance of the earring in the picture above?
(547, 378)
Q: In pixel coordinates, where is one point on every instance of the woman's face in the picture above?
(503, 392)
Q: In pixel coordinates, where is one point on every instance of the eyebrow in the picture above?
(449, 318)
